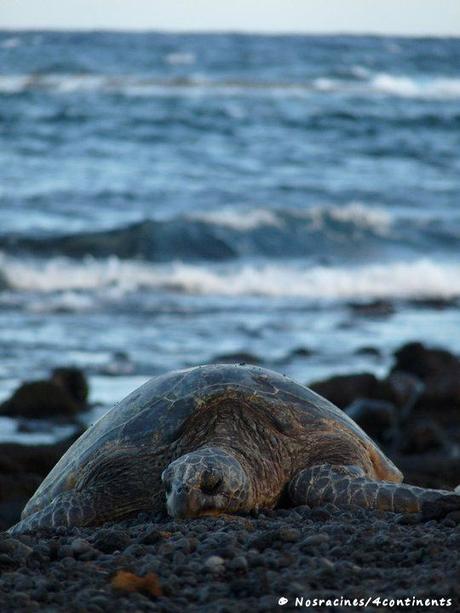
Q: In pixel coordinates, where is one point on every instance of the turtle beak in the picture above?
(183, 501)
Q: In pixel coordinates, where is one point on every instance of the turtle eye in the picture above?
(211, 483)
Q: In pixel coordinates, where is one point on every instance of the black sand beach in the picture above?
(239, 565)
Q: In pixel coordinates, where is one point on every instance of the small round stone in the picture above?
(80, 546)
(239, 563)
(214, 563)
(315, 540)
(289, 535)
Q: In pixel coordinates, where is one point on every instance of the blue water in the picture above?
(167, 200)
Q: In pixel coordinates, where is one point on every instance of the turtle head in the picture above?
(207, 481)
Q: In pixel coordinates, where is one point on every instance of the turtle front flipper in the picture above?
(342, 485)
(71, 508)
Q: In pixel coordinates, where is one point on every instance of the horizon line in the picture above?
(140, 30)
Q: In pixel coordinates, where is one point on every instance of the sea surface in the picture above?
(171, 200)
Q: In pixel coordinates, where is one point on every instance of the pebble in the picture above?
(80, 546)
(326, 565)
(214, 563)
(239, 563)
(289, 535)
(151, 537)
(15, 547)
(6, 560)
(108, 540)
(316, 539)
(319, 514)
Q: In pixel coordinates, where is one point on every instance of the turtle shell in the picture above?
(155, 413)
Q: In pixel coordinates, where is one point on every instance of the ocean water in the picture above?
(170, 200)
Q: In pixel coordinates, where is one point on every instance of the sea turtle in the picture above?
(219, 439)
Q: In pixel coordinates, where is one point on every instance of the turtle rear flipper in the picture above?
(343, 485)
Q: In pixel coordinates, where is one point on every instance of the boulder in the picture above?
(424, 362)
(373, 308)
(439, 370)
(59, 398)
(342, 390)
(74, 382)
(41, 400)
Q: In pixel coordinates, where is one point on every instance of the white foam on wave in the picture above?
(239, 219)
(111, 279)
(403, 86)
(58, 83)
(13, 84)
(63, 274)
(437, 88)
(358, 214)
(65, 301)
(402, 280)
(11, 43)
(361, 72)
(325, 84)
(407, 87)
(140, 86)
(181, 58)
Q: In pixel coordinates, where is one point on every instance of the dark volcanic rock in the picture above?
(109, 540)
(375, 308)
(342, 390)
(424, 362)
(22, 468)
(74, 382)
(399, 388)
(301, 352)
(60, 398)
(40, 399)
(437, 303)
(440, 372)
(369, 351)
(423, 381)
(424, 388)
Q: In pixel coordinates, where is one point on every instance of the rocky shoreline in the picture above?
(152, 563)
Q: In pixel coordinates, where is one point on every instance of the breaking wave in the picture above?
(115, 278)
(362, 83)
(224, 234)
